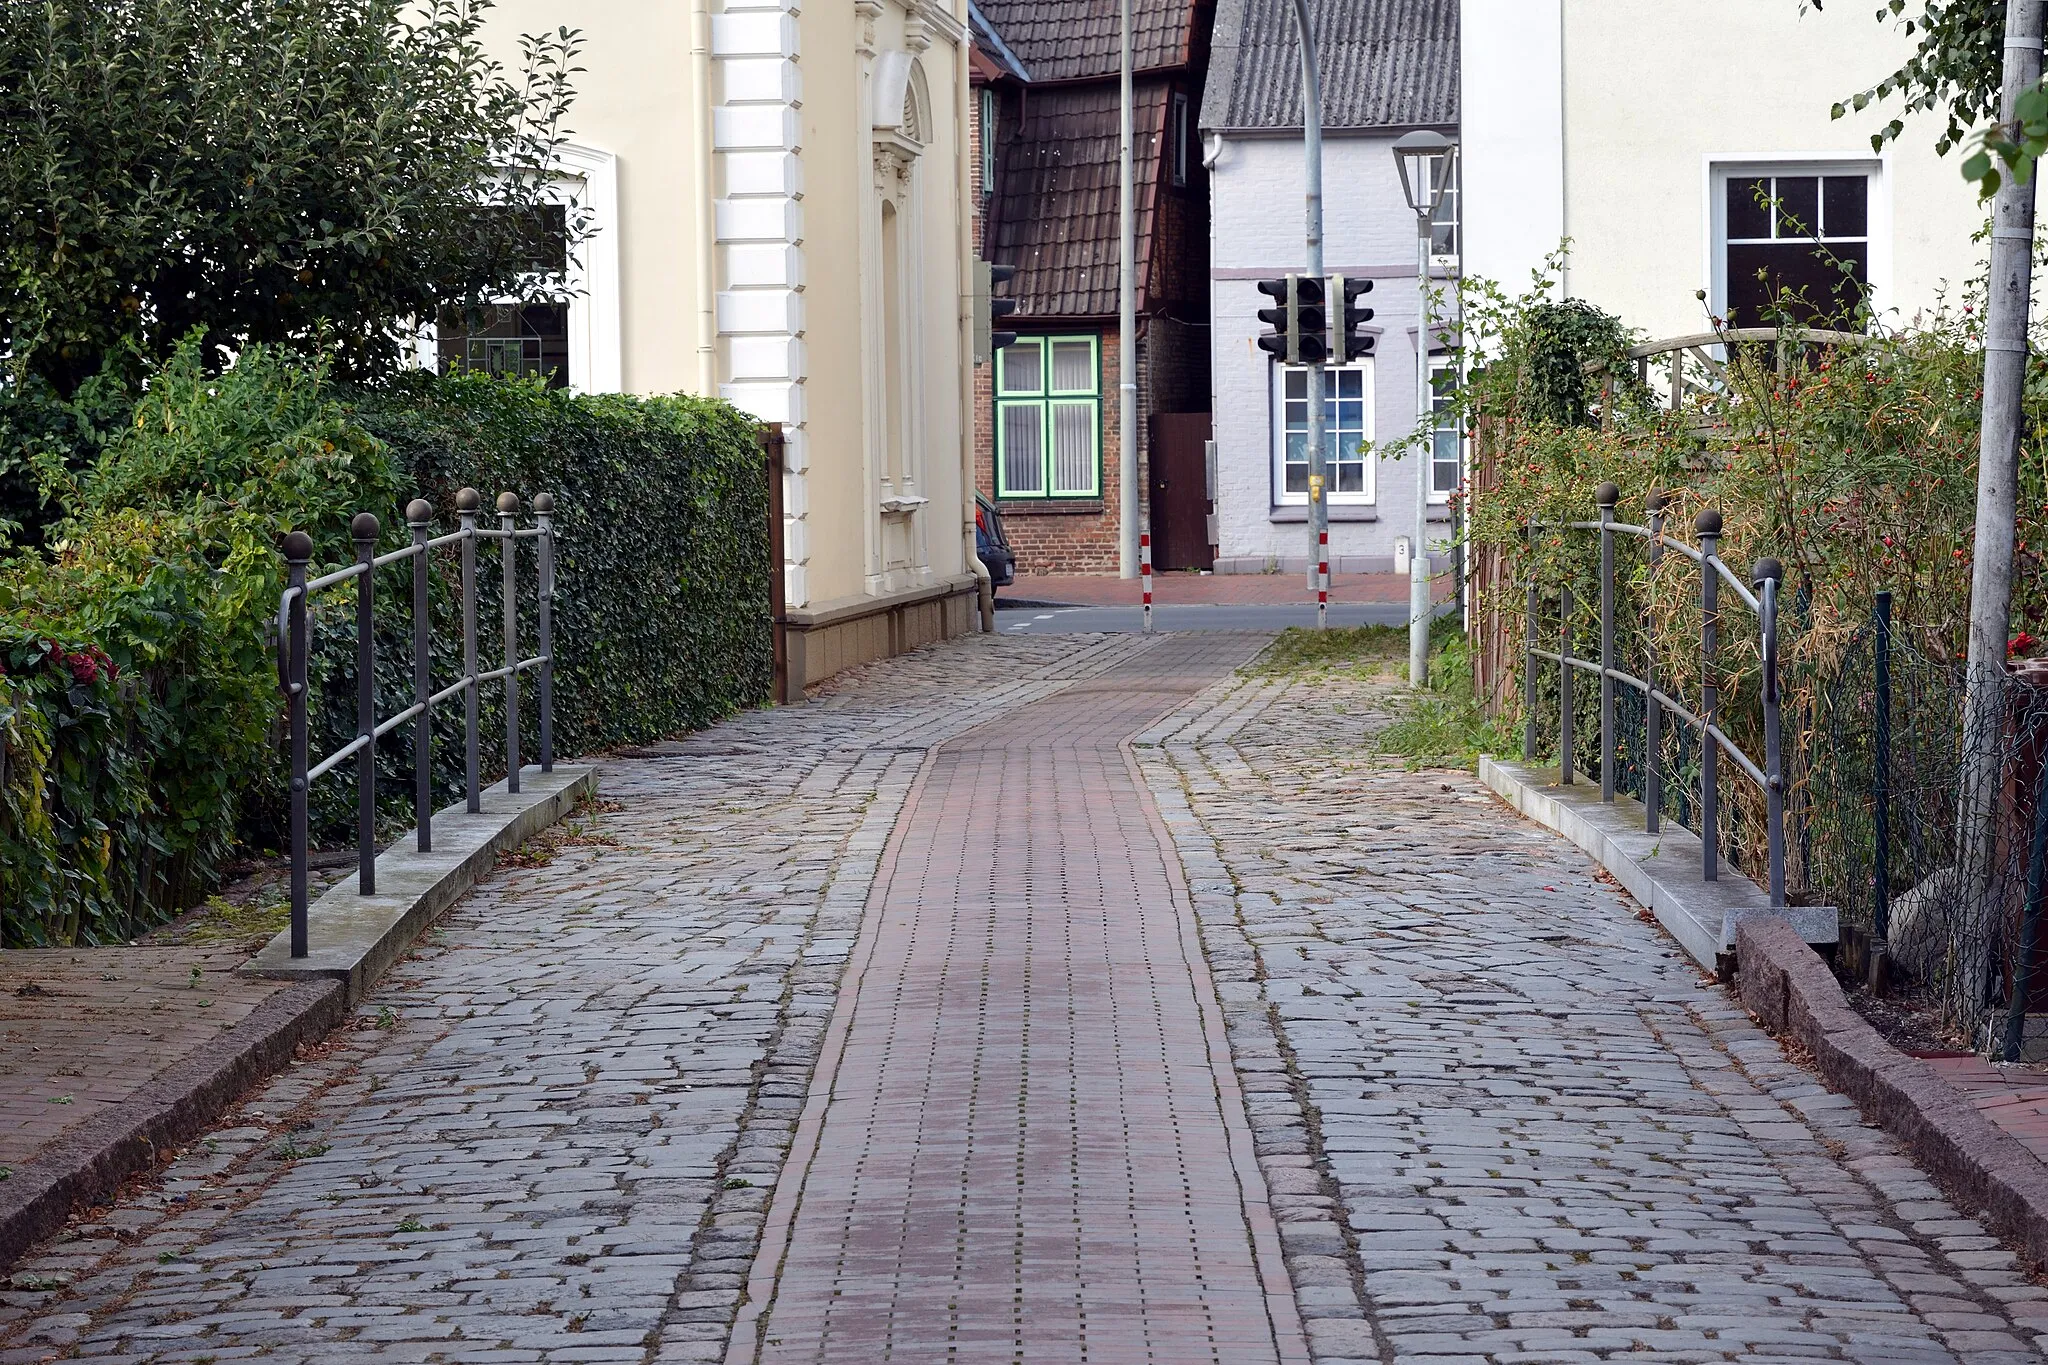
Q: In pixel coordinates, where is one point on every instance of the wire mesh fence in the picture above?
(1864, 792)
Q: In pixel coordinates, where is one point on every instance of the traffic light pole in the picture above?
(1312, 147)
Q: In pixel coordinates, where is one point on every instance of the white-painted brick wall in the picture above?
(1257, 225)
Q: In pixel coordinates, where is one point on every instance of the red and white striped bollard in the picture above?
(1145, 572)
(1322, 580)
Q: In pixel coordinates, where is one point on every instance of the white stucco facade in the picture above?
(1258, 230)
(1613, 122)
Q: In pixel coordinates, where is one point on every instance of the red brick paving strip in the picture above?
(1024, 1141)
(82, 1029)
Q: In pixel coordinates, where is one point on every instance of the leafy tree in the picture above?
(307, 172)
(1956, 71)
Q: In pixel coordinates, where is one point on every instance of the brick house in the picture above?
(1045, 134)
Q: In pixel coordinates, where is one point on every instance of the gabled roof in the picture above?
(1054, 214)
(1065, 40)
(1385, 64)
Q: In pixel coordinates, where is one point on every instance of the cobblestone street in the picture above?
(884, 1024)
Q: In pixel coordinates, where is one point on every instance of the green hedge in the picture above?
(661, 508)
(139, 708)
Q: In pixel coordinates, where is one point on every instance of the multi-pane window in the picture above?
(1447, 430)
(1049, 418)
(509, 340)
(1797, 244)
(1443, 236)
(516, 339)
(1347, 426)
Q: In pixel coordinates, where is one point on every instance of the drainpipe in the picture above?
(963, 113)
(707, 213)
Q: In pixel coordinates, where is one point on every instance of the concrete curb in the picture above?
(1661, 870)
(354, 939)
(86, 1165)
(1794, 993)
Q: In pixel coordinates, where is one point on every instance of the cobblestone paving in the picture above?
(554, 1130)
(1502, 1118)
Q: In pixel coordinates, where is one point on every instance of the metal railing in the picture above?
(1769, 776)
(294, 648)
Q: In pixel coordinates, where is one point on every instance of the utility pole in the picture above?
(1127, 332)
(2005, 364)
(1312, 148)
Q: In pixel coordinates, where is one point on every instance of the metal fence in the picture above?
(294, 650)
(1698, 764)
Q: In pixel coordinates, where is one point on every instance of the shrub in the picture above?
(139, 737)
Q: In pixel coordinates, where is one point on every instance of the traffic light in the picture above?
(987, 308)
(1311, 321)
(1346, 343)
(1300, 334)
(1279, 343)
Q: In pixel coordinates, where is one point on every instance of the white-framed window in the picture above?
(1347, 426)
(1444, 236)
(1447, 430)
(1180, 133)
(575, 340)
(1049, 417)
(1793, 236)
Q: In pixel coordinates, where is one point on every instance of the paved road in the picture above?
(1494, 1115)
(1260, 617)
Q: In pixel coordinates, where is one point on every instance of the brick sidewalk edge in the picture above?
(86, 1165)
(1793, 992)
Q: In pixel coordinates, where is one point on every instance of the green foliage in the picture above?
(139, 704)
(295, 171)
(1445, 725)
(661, 594)
(1531, 352)
(1340, 647)
(1956, 72)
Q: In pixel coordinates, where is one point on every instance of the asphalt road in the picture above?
(1044, 620)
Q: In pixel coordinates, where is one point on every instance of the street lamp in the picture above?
(1426, 161)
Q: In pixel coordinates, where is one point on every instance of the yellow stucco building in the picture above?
(777, 206)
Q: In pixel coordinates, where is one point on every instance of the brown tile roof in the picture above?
(1064, 40)
(1054, 213)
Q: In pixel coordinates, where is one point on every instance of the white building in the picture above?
(1642, 129)
(1389, 67)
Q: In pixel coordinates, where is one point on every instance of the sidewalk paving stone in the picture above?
(1542, 1134)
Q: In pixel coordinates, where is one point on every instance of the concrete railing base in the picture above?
(1661, 870)
(353, 938)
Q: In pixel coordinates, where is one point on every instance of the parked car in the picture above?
(991, 546)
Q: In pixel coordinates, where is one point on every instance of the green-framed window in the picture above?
(1049, 418)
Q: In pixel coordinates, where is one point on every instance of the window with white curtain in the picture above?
(1049, 418)
(1347, 427)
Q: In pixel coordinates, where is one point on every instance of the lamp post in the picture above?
(1426, 161)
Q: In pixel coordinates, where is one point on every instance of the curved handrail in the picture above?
(1714, 572)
